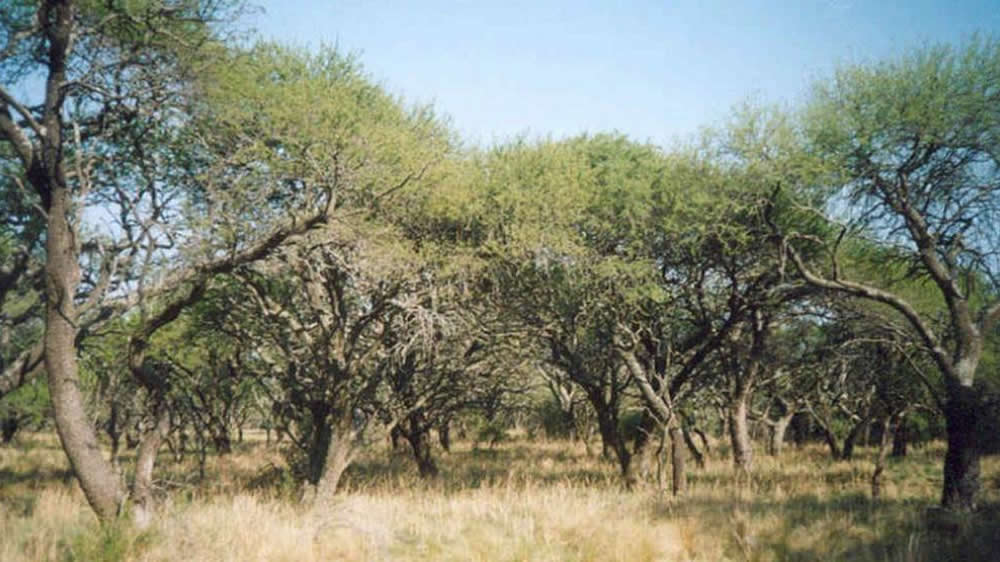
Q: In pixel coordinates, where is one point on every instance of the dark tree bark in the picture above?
(417, 432)
(444, 435)
(961, 461)
(9, 426)
(900, 439)
(857, 430)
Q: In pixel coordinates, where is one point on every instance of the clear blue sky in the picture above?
(654, 70)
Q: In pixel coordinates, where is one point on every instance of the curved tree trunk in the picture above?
(339, 454)
(97, 477)
(143, 502)
(699, 456)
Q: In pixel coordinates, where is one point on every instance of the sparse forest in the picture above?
(254, 306)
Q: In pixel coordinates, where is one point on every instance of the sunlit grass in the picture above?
(520, 501)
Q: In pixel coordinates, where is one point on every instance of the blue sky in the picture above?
(653, 70)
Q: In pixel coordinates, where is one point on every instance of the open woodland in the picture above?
(254, 307)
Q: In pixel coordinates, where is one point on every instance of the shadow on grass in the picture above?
(504, 465)
(849, 526)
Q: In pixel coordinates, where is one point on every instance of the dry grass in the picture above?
(522, 501)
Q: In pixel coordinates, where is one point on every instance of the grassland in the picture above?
(522, 500)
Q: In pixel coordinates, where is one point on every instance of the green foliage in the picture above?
(930, 120)
(27, 407)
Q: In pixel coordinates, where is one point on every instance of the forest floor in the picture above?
(522, 500)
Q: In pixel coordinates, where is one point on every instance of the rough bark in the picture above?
(339, 455)
(677, 462)
(961, 462)
(739, 433)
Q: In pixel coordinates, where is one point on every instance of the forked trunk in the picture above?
(961, 461)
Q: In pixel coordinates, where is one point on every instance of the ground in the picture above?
(523, 500)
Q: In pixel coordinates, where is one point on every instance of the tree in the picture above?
(915, 166)
(139, 123)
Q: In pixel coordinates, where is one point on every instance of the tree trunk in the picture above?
(643, 455)
(880, 458)
(416, 434)
(611, 438)
(339, 455)
(143, 502)
(847, 453)
(778, 431)
(319, 446)
(421, 446)
(739, 433)
(961, 461)
(444, 435)
(8, 428)
(699, 457)
(677, 461)
(900, 439)
(97, 477)
(829, 438)
(705, 445)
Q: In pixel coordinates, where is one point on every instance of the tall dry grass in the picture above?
(522, 501)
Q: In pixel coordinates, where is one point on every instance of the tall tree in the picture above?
(913, 147)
